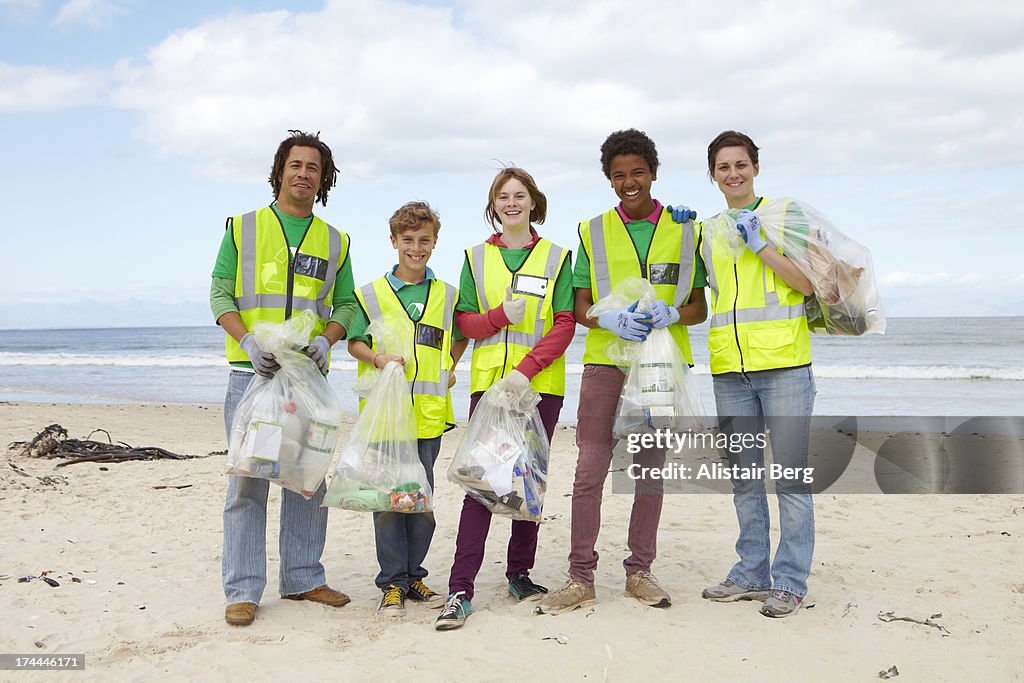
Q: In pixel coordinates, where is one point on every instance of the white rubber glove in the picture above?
(263, 363)
(515, 383)
(515, 309)
(317, 350)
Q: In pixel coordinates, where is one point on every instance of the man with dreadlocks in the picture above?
(273, 261)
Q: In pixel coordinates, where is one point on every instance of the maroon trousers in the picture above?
(475, 521)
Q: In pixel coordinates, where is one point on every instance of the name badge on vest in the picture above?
(664, 273)
(529, 284)
(428, 335)
(311, 266)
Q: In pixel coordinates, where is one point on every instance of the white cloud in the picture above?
(92, 13)
(45, 88)
(397, 87)
(20, 10)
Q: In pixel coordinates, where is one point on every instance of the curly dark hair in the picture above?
(630, 141)
(329, 174)
(730, 138)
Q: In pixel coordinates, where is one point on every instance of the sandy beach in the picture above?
(149, 604)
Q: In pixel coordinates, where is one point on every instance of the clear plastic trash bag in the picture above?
(379, 469)
(660, 391)
(502, 461)
(846, 299)
(286, 427)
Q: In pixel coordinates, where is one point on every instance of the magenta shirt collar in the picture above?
(652, 219)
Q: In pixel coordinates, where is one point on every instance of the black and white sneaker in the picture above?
(420, 592)
(522, 588)
(453, 615)
(392, 603)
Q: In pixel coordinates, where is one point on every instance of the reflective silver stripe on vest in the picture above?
(372, 305)
(599, 258)
(709, 266)
(686, 250)
(248, 256)
(449, 306)
(333, 257)
(527, 339)
(440, 387)
(757, 315)
(771, 298)
(432, 388)
(478, 256)
(771, 310)
(551, 273)
(250, 301)
(373, 310)
(323, 311)
(512, 336)
(602, 275)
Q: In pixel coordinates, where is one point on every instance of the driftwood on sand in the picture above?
(53, 442)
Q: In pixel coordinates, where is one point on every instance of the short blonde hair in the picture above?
(411, 216)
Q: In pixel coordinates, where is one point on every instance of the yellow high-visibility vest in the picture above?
(430, 367)
(613, 257)
(757, 320)
(270, 285)
(534, 281)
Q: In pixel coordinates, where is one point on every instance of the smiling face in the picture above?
(300, 180)
(735, 172)
(513, 205)
(414, 249)
(631, 178)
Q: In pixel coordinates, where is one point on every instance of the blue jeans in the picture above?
(300, 541)
(403, 539)
(781, 401)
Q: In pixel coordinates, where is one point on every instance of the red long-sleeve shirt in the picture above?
(551, 346)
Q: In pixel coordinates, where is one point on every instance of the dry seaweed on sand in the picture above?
(53, 443)
(930, 621)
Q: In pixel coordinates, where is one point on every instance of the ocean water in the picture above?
(921, 366)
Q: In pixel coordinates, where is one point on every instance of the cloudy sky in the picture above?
(131, 129)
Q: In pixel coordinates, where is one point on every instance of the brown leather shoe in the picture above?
(324, 595)
(240, 613)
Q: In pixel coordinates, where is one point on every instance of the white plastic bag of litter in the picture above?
(502, 461)
(379, 469)
(660, 391)
(286, 426)
(846, 299)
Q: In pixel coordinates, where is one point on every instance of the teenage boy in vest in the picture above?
(410, 287)
(637, 238)
(273, 261)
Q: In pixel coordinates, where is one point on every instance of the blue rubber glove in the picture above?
(663, 315)
(626, 323)
(749, 226)
(317, 350)
(682, 214)
(263, 363)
